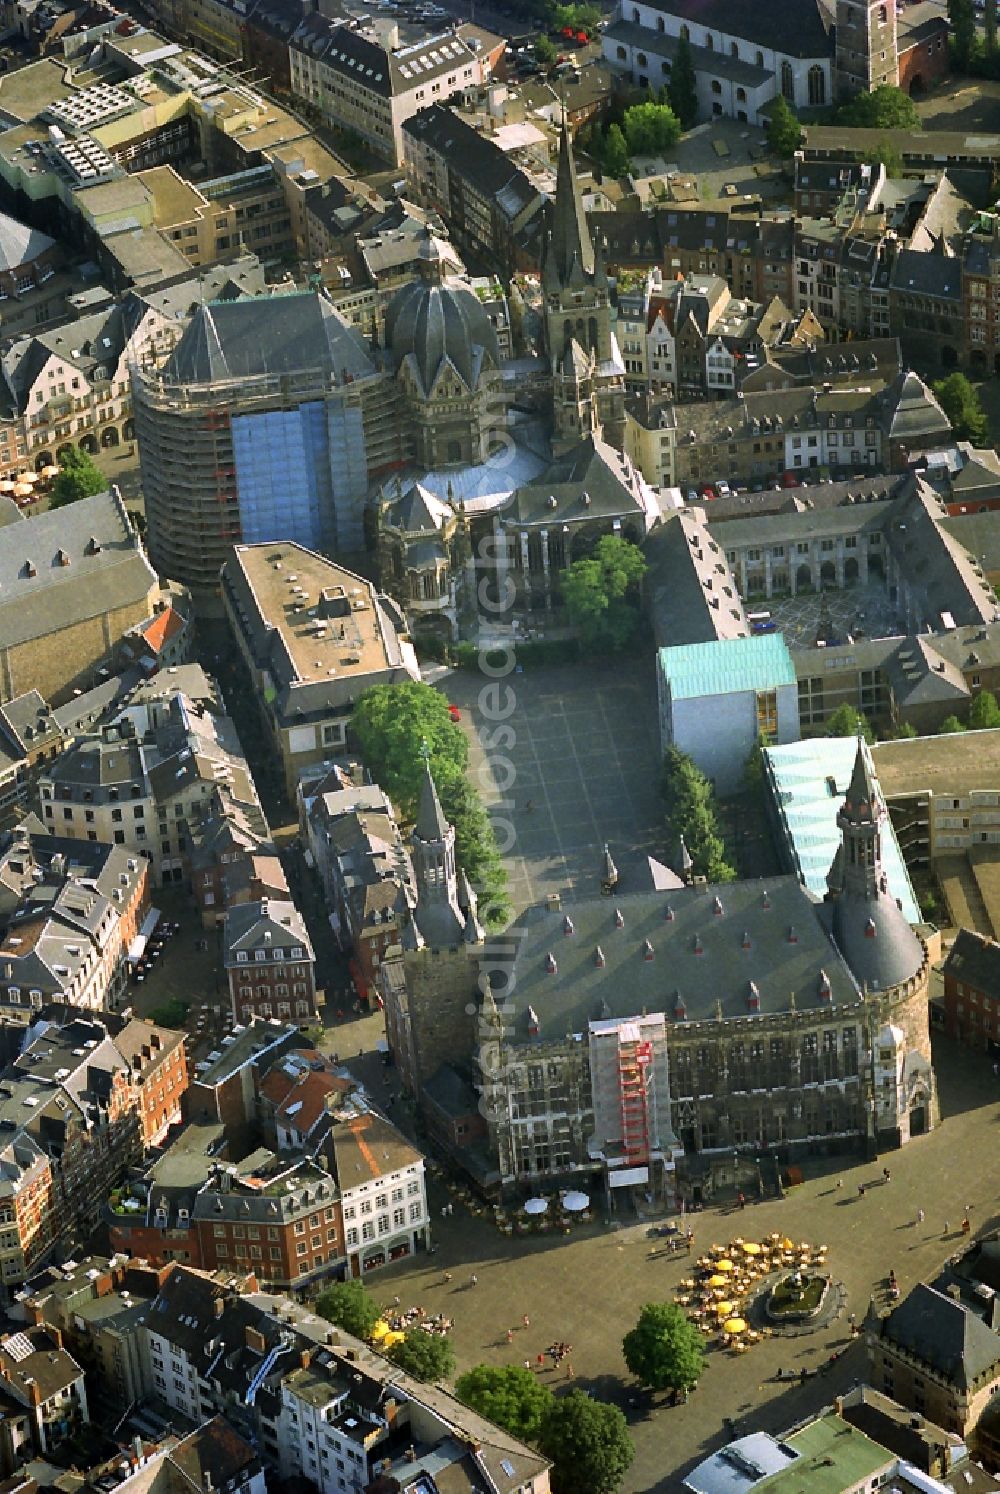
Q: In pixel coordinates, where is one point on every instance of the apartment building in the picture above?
(365, 871)
(29, 734)
(360, 83)
(971, 1004)
(313, 636)
(383, 1196)
(485, 197)
(69, 911)
(164, 765)
(46, 1386)
(157, 1057)
(269, 962)
(318, 1404)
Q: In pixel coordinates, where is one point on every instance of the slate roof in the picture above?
(591, 480)
(474, 157)
(691, 588)
(265, 925)
(20, 244)
(974, 959)
(104, 568)
(581, 990)
(433, 323)
(796, 28)
(936, 1329)
(268, 335)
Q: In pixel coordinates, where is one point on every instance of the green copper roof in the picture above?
(761, 662)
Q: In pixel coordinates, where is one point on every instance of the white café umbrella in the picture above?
(536, 1206)
(576, 1202)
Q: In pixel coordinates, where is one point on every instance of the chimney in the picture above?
(137, 1447)
(219, 1306)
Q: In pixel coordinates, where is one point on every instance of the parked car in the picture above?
(723, 489)
(708, 492)
(692, 495)
(791, 480)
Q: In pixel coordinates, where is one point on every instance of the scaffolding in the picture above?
(635, 1058)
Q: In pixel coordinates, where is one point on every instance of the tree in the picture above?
(588, 1443)
(906, 732)
(889, 156)
(511, 1396)
(950, 726)
(962, 19)
(885, 108)
(545, 51)
(960, 403)
(613, 151)
(984, 713)
(351, 1306)
(665, 1351)
(596, 592)
(845, 721)
(683, 86)
(783, 129)
(650, 128)
(425, 1356)
(990, 28)
(476, 849)
(79, 478)
(390, 723)
(691, 814)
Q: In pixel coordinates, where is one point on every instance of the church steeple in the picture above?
(860, 824)
(437, 914)
(570, 246)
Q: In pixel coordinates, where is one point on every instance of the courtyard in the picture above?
(579, 767)
(833, 615)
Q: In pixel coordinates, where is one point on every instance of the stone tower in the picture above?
(889, 963)
(867, 53)
(587, 371)
(441, 945)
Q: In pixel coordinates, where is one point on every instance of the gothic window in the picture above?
(659, 23)
(641, 59)
(709, 41)
(454, 451)
(592, 332)
(685, 33)
(760, 59)
(787, 82)
(622, 54)
(817, 85)
(734, 50)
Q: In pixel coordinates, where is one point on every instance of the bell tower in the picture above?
(867, 52)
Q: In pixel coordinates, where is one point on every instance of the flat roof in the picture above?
(29, 90)
(809, 781)
(957, 763)
(761, 662)
(833, 1456)
(327, 617)
(174, 199)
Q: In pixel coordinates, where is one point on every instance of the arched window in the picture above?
(640, 58)
(709, 41)
(621, 53)
(660, 24)
(685, 33)
(787, 82)
(665, 66)
(760, 59)
(817, 85)
(734, 50)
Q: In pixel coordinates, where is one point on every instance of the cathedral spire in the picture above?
(431, 824)
(570, 245)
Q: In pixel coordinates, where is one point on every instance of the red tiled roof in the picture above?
(161, 628)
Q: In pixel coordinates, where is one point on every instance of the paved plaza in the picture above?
(582, 769)
(857, 611)
(587, 1290)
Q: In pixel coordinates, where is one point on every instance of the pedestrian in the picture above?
(741, 1199)
(886, 1175)
(966, 1226)
(510, 1335)
(526, 1321)
(920, 1216)
(527, 1364)
(570, 1373)
(447, 1277)
(529, 806)
(861, 1190)
(840, 1182)
(473, 1280)
(540, 1360)
(947, 1226)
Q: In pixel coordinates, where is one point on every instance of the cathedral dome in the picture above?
(432, 320)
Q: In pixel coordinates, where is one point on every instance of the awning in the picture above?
(137, 948)
(627, 1177)
(150, 921)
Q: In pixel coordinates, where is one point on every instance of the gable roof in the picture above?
(795, 28)
(268, 335)
(935, 1328)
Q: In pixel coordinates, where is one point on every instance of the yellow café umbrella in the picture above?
(392, 1338)
(726, 1266)
(750, 1248)
(716, 1281)
(380, 1329)
(734, 1326)
(723, 1309)
(787, 1244)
